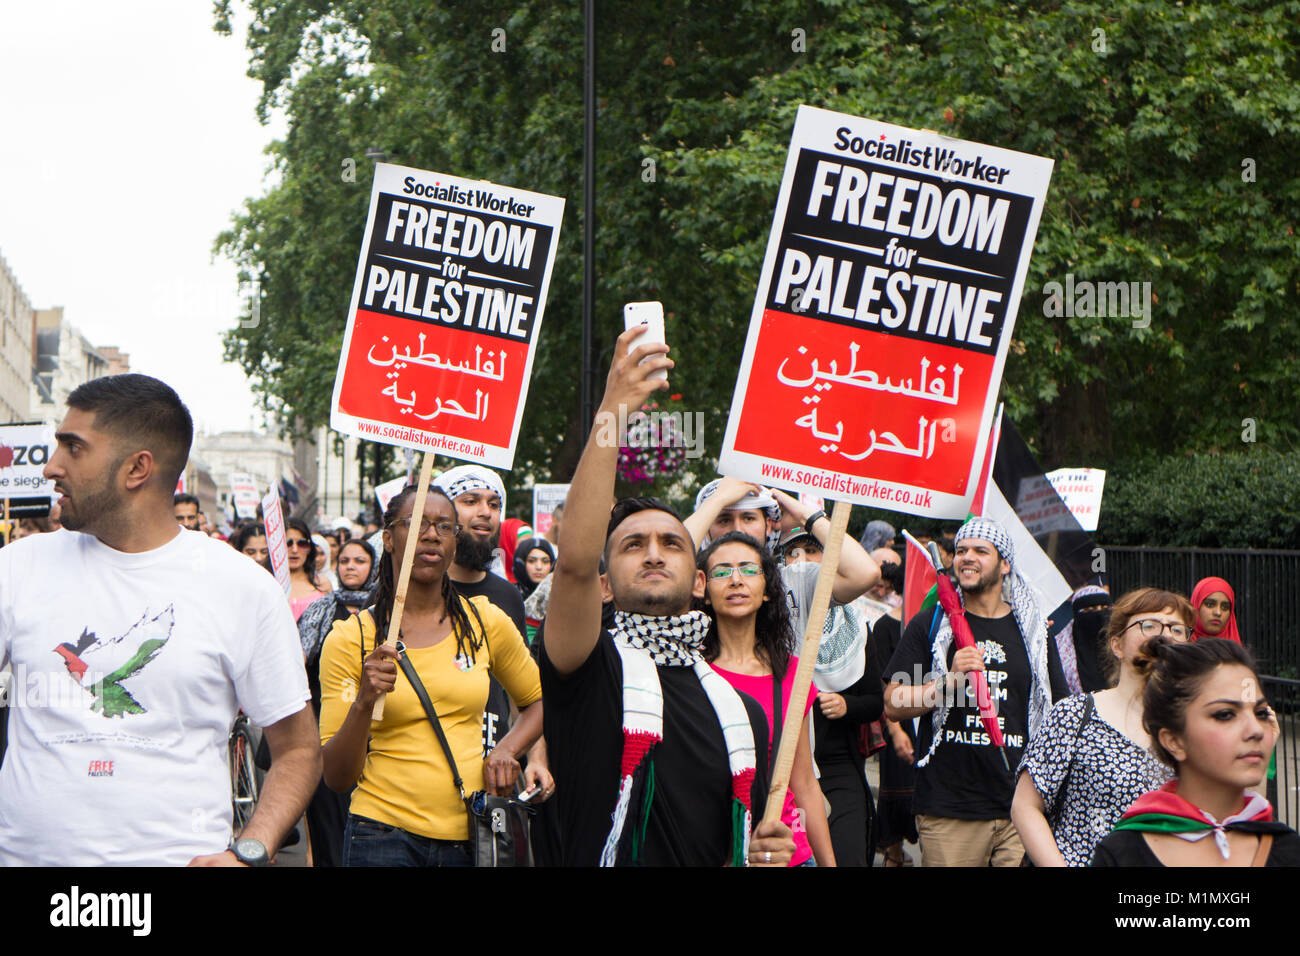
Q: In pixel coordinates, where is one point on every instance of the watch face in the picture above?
(250, 851)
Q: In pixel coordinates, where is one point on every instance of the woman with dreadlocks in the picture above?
(406, 810)
(748, 644)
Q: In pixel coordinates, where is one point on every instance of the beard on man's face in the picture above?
(475, 552)
(87, 508)
(988, 581)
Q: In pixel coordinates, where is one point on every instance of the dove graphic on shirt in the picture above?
(117, 659)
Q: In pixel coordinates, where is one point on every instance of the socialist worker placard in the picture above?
(884, 313)
(446, 309)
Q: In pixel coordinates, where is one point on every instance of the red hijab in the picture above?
(1204, 588)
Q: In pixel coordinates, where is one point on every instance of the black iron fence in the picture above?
(1284, 787)
(1267, 586)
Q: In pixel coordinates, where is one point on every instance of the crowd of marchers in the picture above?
(629, 674)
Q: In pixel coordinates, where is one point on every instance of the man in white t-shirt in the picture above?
(133, 647)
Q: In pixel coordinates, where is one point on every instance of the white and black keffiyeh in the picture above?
(1027, 609)
(643, 642)
(454, 482)
(671, 641)
(764, 501)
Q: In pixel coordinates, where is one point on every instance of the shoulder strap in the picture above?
(408, 669)
(934, 621)
(1261, 851)
(1088, 707)
(778, 721)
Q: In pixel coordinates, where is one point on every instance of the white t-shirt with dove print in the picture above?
(128, 672)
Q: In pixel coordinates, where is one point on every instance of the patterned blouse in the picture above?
(1109, 772)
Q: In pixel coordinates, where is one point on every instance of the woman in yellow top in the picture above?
(406, 810)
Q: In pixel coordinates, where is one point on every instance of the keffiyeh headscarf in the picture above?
(763, 501)
(644, 643)
(456, 481)
(1025, 605)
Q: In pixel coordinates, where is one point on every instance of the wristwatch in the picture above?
(813, 519)
(250, 852)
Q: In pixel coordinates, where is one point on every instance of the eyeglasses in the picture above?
(1152, 628)
(445, 529)
(723, 572)
(296, 543)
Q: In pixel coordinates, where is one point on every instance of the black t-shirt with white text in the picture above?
(965, 778)
(690, 813)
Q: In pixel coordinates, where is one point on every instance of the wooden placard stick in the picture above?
(812, 638)
(408, 558)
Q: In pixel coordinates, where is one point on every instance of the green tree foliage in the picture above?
(1210, 501)
(1150, 111)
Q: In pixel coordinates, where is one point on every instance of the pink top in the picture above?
(298, 605)
(760, 688)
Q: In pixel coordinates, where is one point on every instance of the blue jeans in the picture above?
(370, 843)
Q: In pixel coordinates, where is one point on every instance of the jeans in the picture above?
(370, 843)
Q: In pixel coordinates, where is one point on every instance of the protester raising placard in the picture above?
(884, 313)
(446, 308)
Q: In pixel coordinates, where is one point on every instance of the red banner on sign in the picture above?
(466, 385)
(864, 404)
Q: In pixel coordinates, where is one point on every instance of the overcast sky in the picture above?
(127, 140)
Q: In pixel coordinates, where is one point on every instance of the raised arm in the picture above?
(857, 570)
(730, 490)
(573, 617)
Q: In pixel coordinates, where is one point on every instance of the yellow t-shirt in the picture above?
(406, 782)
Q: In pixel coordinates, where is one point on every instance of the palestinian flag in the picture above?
(920, 588)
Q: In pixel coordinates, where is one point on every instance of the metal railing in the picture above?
(1267, 586)
(1284, 788)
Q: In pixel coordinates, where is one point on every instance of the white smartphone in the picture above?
(650, 315)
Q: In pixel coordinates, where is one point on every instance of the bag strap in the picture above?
(1261, 851)
(408, 669)
(778, 722)
(1089, 705)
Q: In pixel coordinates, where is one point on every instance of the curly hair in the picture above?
(772, 632)
(467, 640)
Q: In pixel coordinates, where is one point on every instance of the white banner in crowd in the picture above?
(276, 548)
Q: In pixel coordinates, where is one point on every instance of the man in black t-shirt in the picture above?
(653, 753)
(962, 797)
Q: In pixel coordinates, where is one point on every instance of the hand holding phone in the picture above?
(650, 315)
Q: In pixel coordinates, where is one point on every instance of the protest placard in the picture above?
(446, 309)
(884, 314)
(388, 491)
(545, 500)
(1080, 489)
(243, 495)
(276, 547)
(24, 452)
